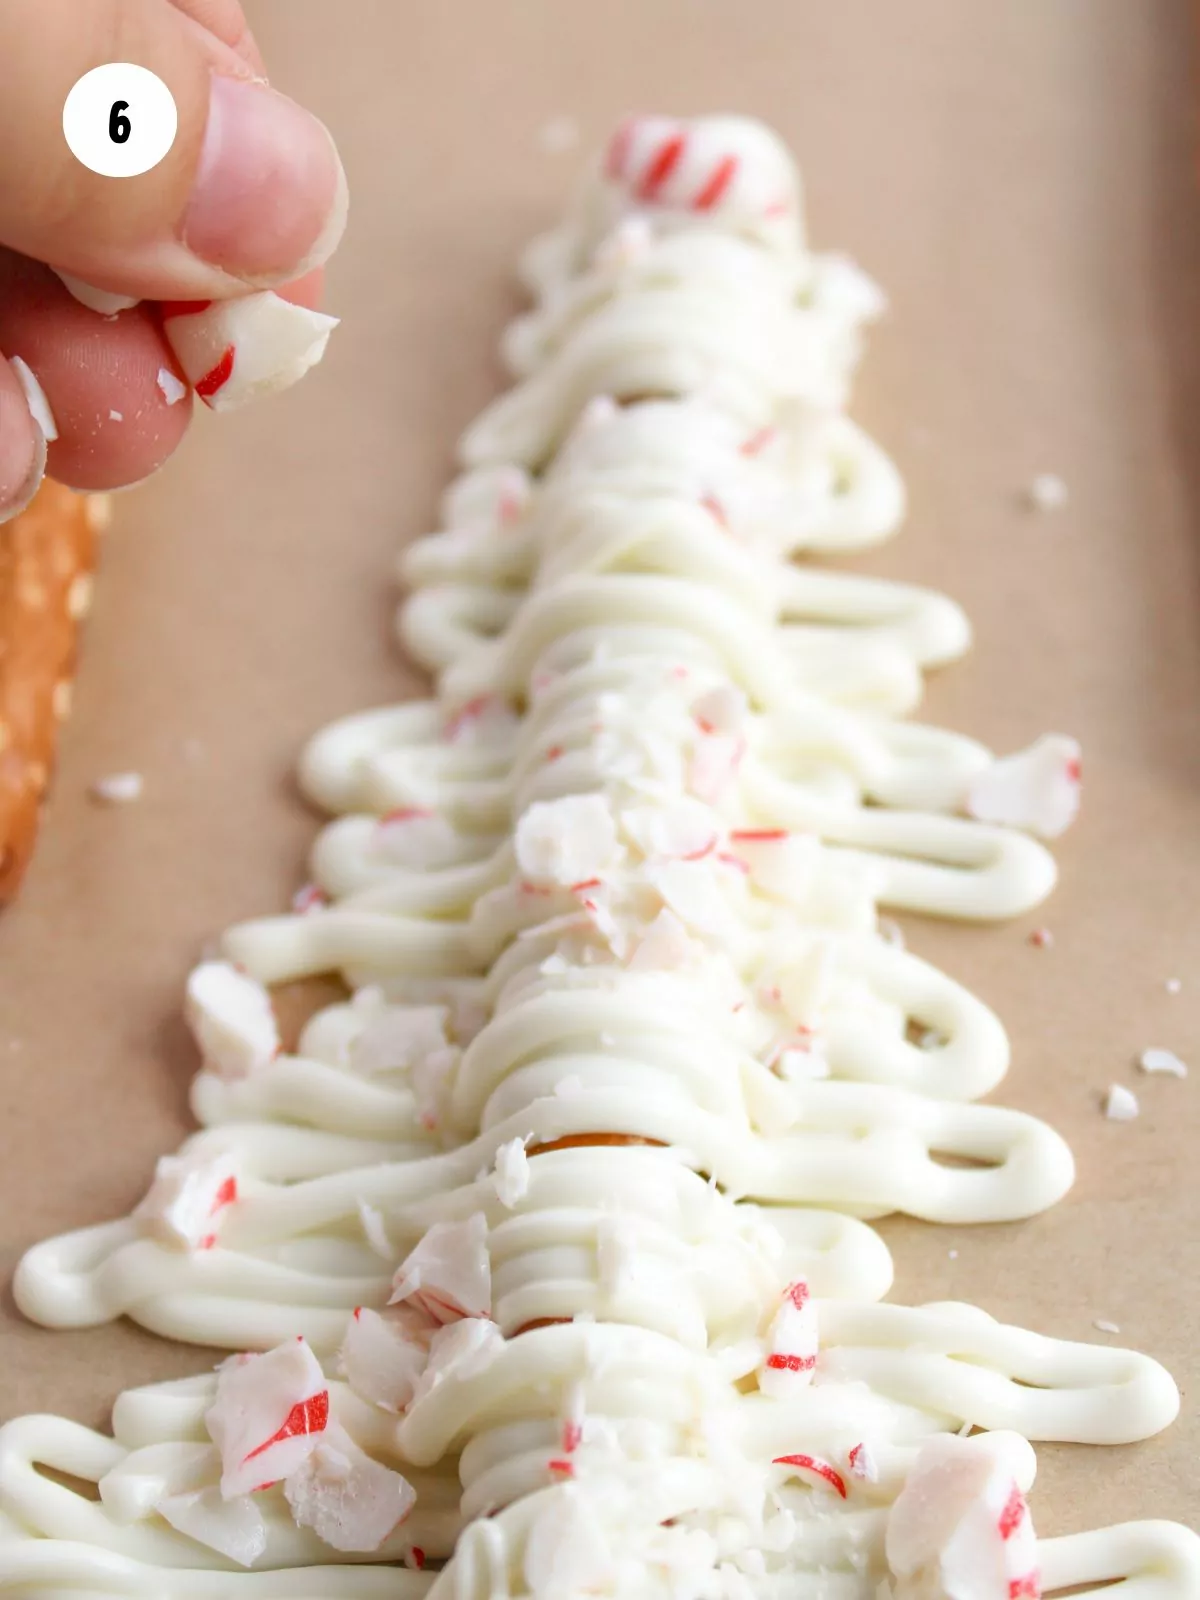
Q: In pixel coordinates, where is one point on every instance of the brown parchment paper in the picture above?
(1021, 178)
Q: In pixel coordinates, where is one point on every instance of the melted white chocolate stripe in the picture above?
(627, 1061)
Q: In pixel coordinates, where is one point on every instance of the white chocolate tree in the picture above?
(554, 1236)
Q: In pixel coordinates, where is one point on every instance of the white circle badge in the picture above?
(120, 120)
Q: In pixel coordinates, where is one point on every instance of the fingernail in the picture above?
(269, 200)
(24, 466)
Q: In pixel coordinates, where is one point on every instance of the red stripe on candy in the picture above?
(226, 1195)
(821, 1469)
(666, 159)
(183, 308)
(1013, 1514)
(722, 176)
(306, 1416)
(779, 1363)
(218, 376)
(1027, 1587)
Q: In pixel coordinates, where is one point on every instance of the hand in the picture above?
(250, 196)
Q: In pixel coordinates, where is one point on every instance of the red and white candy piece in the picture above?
(231, 1019)
(347, 1499)
(449, 1274)
(461, 1350)
(268, 1414)
(720, 716)
(184, 1204)
(665, 946)
(235, 1528)
(566, 1549)
(691, 890)
(383, 1356)
(678, 830)
(563, 842)
(414, 836)
(398, 1038)
(232, 351)
(960, 1527)
(730, 166)
(1036, 789)
(862, 1463)
(791, 1355)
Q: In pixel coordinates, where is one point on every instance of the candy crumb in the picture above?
(1047, 492)
(1173, 985)
(118, 788)
(559, 133)
(1120, 1104)
(116, 416)
(953, 1254)
(1162, 1061)
(170, 387)
(1041, 938)
(1101, 1325)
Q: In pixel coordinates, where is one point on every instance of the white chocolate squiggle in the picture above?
(569, 1199)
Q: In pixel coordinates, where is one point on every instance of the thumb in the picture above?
(251, 192)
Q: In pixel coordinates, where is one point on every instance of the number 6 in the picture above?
(119, 127)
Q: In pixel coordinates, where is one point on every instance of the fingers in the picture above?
(22, 448)
(108, 381)
(251, 193)
(226, 20)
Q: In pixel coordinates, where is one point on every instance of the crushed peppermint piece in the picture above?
(382, 1358)
(116, 416)
(510, 1178)
(232, 351)
(566, 1551)
(1120, 1104)
(349, 1501)
(184, 1204)
(1036, 789)
(268, 1414)
(1041, 939)
(169, 386)
(118, 788)
(448, 1274)
(665, 945)
(863, 1464)
(559, 843)
(961, 1526)
(233, 1527)
(1102, 1325)
(792, 1344)
(891, 932)
(1173, 985)
(466, 1348)
(398, 1038)
(1163, 1061)
(1047, 492)
(953, 1254)
(309, 899)
(231, 1019)
(413, 836)
(558, 134)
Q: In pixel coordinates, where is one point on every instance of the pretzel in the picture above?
(46, 559)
